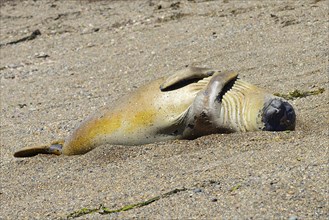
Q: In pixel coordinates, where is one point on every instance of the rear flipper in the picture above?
(53, 148)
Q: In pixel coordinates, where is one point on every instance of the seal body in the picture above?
(188, 104)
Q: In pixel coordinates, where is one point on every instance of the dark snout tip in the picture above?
(278, 115)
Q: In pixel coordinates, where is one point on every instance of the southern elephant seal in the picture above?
(186, 105)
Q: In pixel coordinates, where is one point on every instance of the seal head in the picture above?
(278, 115)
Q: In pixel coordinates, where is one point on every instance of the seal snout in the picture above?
(279, 115)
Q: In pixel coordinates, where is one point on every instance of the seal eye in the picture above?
(227, 87)
(279, 115)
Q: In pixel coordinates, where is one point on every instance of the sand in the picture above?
(91, 53)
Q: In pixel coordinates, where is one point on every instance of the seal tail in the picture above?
(53, 148)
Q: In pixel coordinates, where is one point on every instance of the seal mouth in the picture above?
(278, 115)
(227, 87)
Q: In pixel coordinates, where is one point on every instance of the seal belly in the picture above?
(91, 132)
(124, 128)
(139, 119)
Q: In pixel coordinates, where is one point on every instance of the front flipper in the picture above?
(217, 87)
(185, 77)
(53, 148)
(205, 109)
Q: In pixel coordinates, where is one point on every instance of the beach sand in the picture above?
(91, 53)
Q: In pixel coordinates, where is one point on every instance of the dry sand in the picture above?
(91, 53)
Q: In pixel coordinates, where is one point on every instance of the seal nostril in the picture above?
(277, 111)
